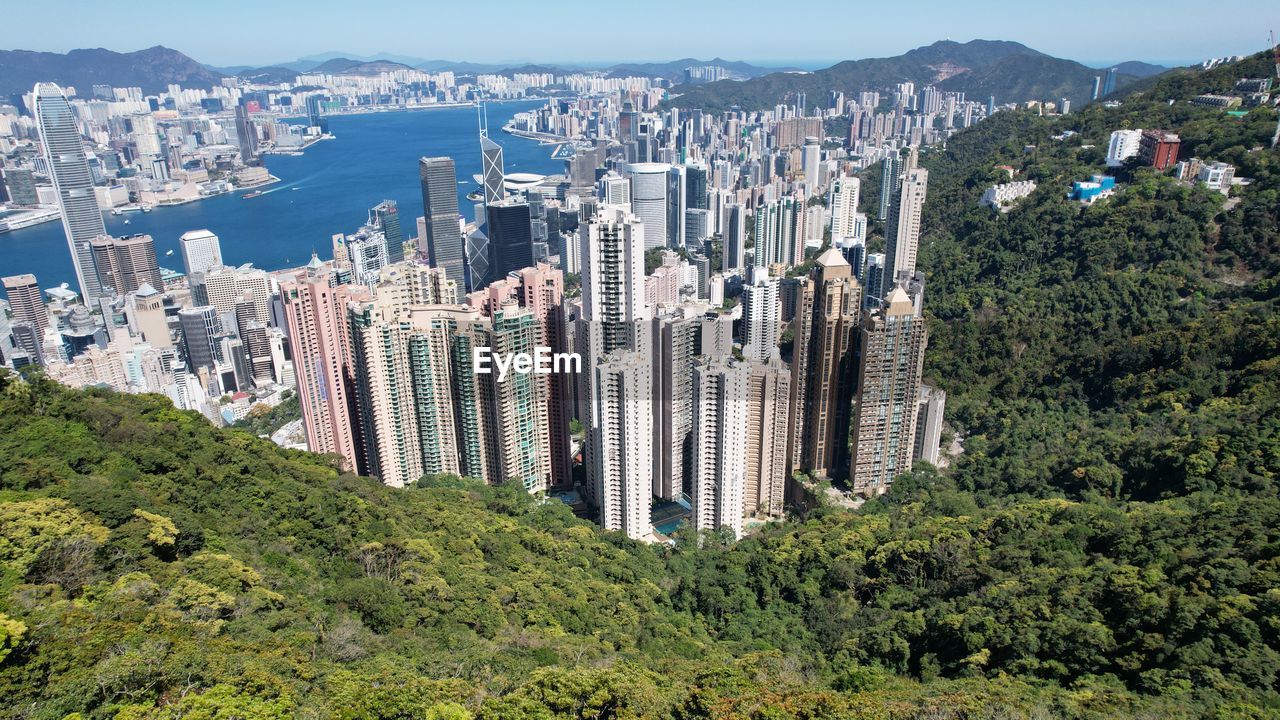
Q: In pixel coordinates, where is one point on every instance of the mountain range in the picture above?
(1009, 70)
(152, 69)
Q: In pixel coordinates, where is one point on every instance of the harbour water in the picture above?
(326, 190)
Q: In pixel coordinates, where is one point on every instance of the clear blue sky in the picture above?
(236, 32)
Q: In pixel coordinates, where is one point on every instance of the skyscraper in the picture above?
(126, 263)
(760, 315)
(26, 301)
(318, 341)
(613, 278)
(890, 182)
(247, 131)
(826, 307)
(200, 329)
(385, 216)
(676, 204)
(649, 200)
(735, 239)
(1109, 82)
(617, 385)
(440, 207)
(843, 205)
(510, 246)
(315, 112)
(72, 181)
(719, 436)
(765, 447)
(893, 340)
(810, 157)
(201, 250)
(902, 233)
(491, 161)
(30, 315)
(675, 345)
(780, 233)
(621, 426)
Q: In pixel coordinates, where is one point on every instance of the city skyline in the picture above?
(1230, 28)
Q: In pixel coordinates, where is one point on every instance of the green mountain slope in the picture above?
(1011, 71)
(1128, 349)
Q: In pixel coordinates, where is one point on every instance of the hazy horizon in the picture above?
(240, 32)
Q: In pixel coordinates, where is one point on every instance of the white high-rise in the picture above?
(843, 202)
(615, 190)
(649, 200)
(904, 241)
(719, 436)
(617, 380)
(201, 251)
(1123, 145)
(760, 315)
(810, 159)
(621, 462)
(73, 183)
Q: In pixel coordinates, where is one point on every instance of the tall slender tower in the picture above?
(620, 459)
(760, 315)
(719, 435)
(825, 318)
(440, 207)
(319, 341)
(843, 201)
(902, 234)
(889, 369)
(768, 390)
(69, 170)
(490, 159)
(617, 383)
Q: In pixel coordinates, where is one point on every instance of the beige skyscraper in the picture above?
(147, 310)
(26, 301)
(893, 341)
(720, 415)
(768, 394)
(826, 305)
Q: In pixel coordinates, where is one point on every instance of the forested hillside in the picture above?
(1108, 545)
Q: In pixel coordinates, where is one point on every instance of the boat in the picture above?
(168, 253)
(251, 195)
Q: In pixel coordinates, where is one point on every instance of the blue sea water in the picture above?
(327, 190)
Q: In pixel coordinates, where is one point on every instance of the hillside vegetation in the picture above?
(1108, 545)
(1010, 71)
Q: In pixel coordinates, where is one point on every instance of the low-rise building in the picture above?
(1002, 196)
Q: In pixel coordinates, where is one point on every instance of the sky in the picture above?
(814, 33)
